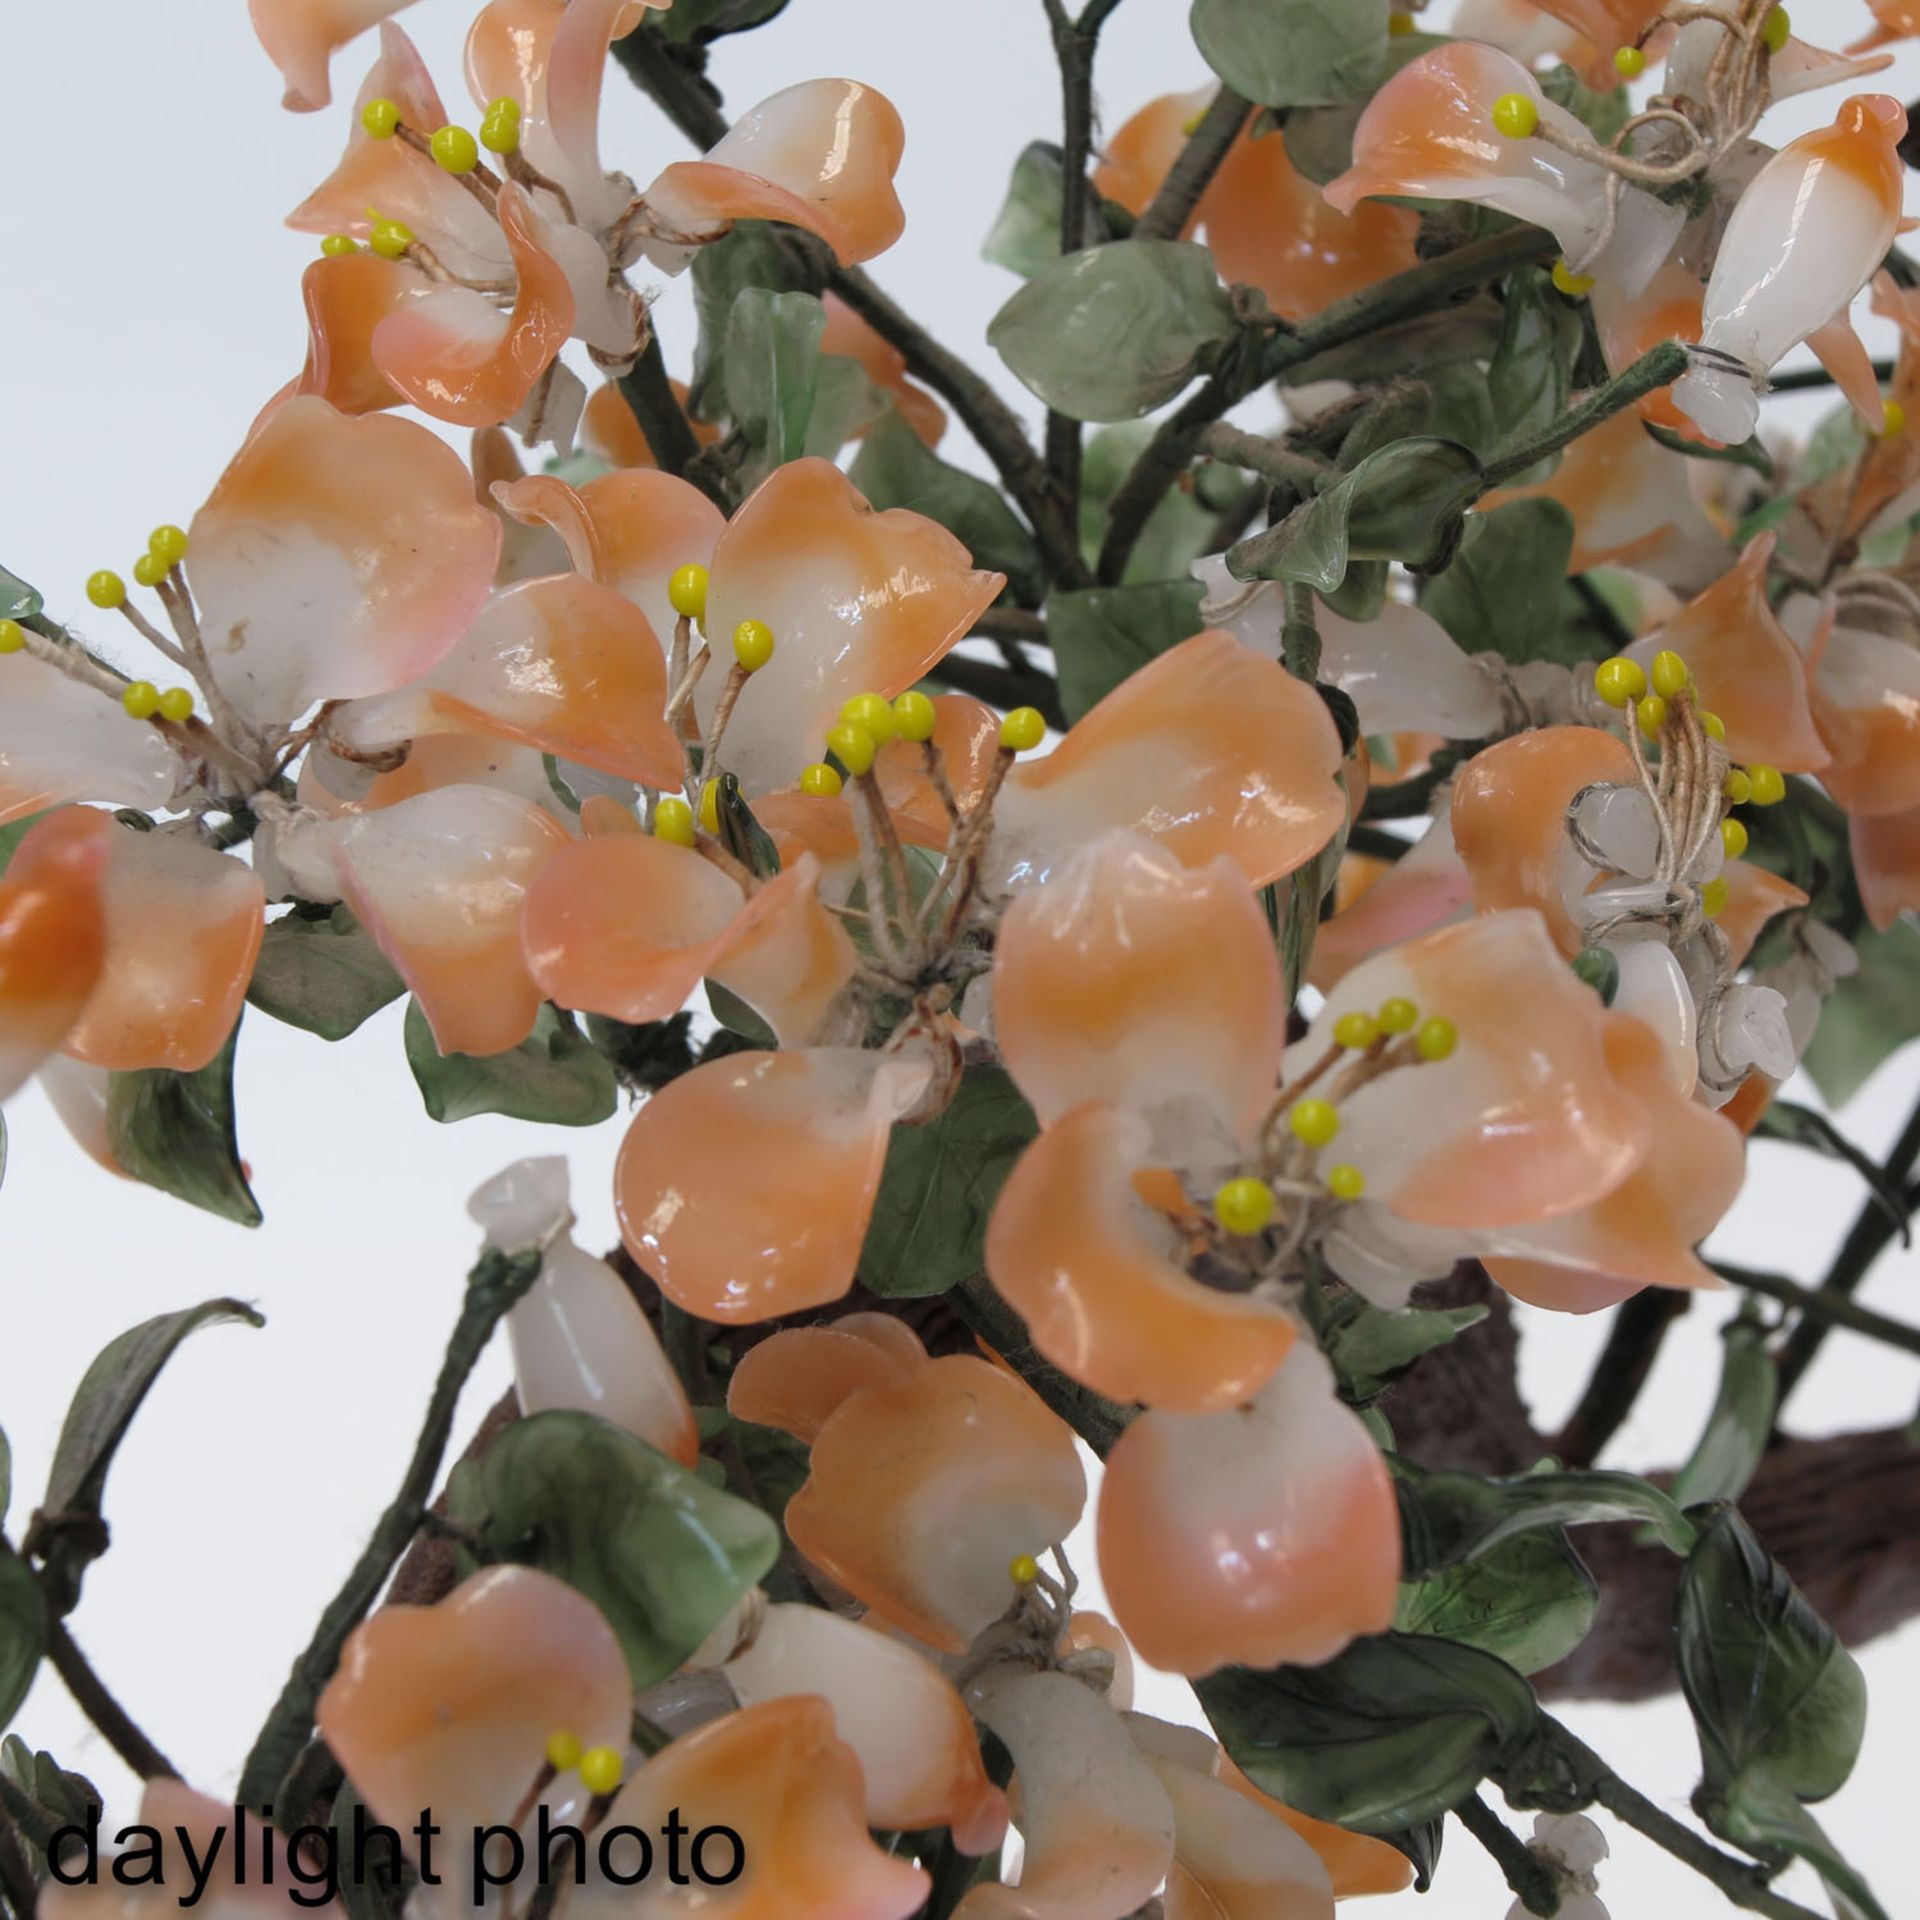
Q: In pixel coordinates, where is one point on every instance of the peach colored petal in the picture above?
(439, 881)
(61, 741)
(183, 926)
(78, 1095)
(919, 1754)
(1643, 1231)
(1101, 1279)
(631, 531)
(1130, 978)
(820, 155)
(798, 1377)
(559, 664)
(1525, 1121)
(388, 179)
(1211, 749)
(1233, 1860)
(1560, 1289)
(301, 37)
(922, 1491)
(626, 925)
(778, 1776)
(1668, 308)
(448, 1708)
(346, 300)
(1866, 699)
(608, 427)
(434, 761)
(1097, 1823)
(787, 957)
(457, 357)
(1746, 667)
(859, 602)
(1844, 355)
(1423, 889)
(885, 365)
(1279, 1516)
(336, 557)
(745, 1186)
(1141, 152)
(1510, 819)
(1270, 228)
(966, 735)
(1355, 1862)
(53, 936)
(818, 824)
(1754, 896)
(1886, 863)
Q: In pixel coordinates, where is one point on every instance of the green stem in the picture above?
(496, 1282)
(1833, 1307)
(1403, 297)
(1300, 635)
(91, 1694)
(1743, 1883)
(1871, 1233)
(1656, 368)
(1536, 1883)
(1073, 48)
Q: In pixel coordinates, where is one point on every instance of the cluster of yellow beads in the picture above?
(600, 1768)
(500, 126)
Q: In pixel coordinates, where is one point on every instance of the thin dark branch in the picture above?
(1537, 1885)
(1168, 212)
(1094, 15)
(91, 1694)
(1836, 1307)
(1869, 1237)
(1417, 291)
(1096, 1420)
(1600, 612)
(1803, 378)
(1633, 1345)
(1378, 844)
(1258, 454)
(1073, 49)
(669, 432)
(1013, 623)
(1741, 1881)
(1002, 686)
(497, 1281)
(680, 94)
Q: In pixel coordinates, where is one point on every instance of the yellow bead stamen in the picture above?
(1244, 1206)
(1436, 1039)
(600, 1770)
(854, 747)
(563, 1750)
(1314, 1122)
(1398, 1015)
(753, 644)
(1515, 115)
(1768, 785)
(1651, 713)
(1576, 286)
(710, 806)
(168, 543)
(1733, 838)
(381, 118)
(821, 780)
(1023, 730)
(106, 589)
(141, 698)
(687, 591)
(1713, 897)
(13, 637)
(391, 239)
(1671, 676)
(1023, 1569)
(1345, 1182)
(1777, 29)
(1357, 1031)
(673, 820)
(500, 126)
(1629, 62)
(454, 150)
(1620, 681)
(176, 704)
(1737, 787)
(336, 246)
(915, 717)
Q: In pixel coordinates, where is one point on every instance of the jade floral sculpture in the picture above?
(1143, 955)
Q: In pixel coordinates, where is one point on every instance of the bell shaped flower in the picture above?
(580, 1340)
(922, 1491)
(1794, 67)
(53, 937)
(1266, 225)
(820, 156)
(301, 37)
(919, 1754)
(1097, 1823)
(448, 1709)
(778, 1775)
(1263, 1534)
(1805, 236)
(1429, 133)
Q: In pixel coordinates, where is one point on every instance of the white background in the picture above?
(152, 305)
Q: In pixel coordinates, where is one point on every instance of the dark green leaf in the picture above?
(1025, 237)
(1372, 1348)
(1178, 531)
(70, 1532)
(1294, 53)
(1869, 1016)
(644, 1057)
(1776, 1698)
(773, 368)
(1392, 1732)
(319, 969)
(929, 1225)
(1503, 590)
(53, 1797)
(736, 1016)
(1767, 1820)
(1749, 453)
(1803, 1127)
(699, 21)
(740, 833)
(895, 468)
(1449, 1518)
(845, 403)
(752, 255)
(23, 1631)
(1111, 332)
(1529, 1602)
(1735, 1436)
(1532, 369)
(663, 1555)
(18, 601)
(1403, 502)
(176, 1132)
(1102, 634)
(555, 1075)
